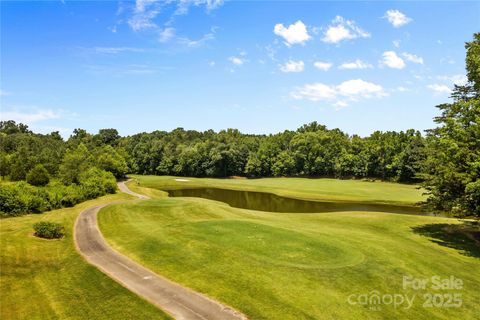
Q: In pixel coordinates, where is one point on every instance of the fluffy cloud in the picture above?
(397, 18)
(360, 88)
(392, 60)
(293, 34)
(238, 61)
(315, 92)
(357, 64)
(413, 58)
(340, 95)
(293, 66)
(324, 66)
(439, 88)
(341, 29)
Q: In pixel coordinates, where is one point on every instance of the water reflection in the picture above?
(274, 203)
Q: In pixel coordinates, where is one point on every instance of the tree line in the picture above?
(446, 160)
(312, 150)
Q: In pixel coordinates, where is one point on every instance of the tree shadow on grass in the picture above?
(464, 237)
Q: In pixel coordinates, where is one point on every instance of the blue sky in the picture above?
(259, 66)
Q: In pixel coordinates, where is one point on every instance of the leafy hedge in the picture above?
(20, 197)
(49, 230)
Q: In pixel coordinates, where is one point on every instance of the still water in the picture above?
(273, 203)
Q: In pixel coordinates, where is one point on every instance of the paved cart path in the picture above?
(180, 302)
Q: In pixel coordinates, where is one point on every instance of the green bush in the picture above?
(96, 182)
(49, 230)
(38, 176)
(20, 197)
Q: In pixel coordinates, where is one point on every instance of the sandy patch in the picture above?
(182, 180)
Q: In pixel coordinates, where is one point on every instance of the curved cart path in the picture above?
(180, 302)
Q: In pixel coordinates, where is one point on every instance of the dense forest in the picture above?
(52, 173)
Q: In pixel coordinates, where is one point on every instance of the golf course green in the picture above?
(278, 265)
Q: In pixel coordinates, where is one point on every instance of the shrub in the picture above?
(38, 176)
(20, 197)
(9, 202)
(49, 230)
(96, 182)
(71, 195)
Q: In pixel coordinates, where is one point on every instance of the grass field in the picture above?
(318, 189)
(298, 266)
(47, 279)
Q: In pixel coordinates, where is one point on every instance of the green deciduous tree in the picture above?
(74, 163)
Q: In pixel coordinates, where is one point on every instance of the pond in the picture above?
(274, 203)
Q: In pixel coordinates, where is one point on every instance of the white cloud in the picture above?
(357, 64)
(198, 42)
(293, 34)
(413, 58)
(397, 18)
(124, 69)
(29, 117)
(458, 79)
(166, 34)
(315, 92)
(324, 66)
(402, 89)
(340, 95)
(360, 88)
(439, 88)
(342, 29)
(116, 50)
(184, 5)
(237, 60)
(340, 104)
(212, 4)
(391, 60)
(396, 43)
(293, 66)
(144, 13)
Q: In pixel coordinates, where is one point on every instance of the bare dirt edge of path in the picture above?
(180, 302)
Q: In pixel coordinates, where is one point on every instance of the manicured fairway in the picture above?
(320, 189)
(47, 279)
(297, 266)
